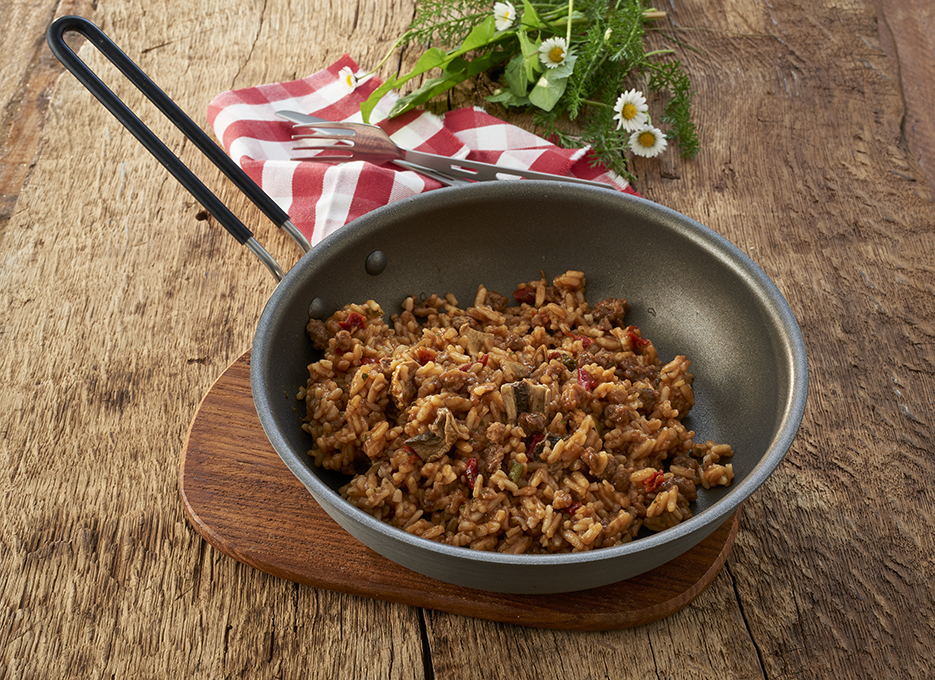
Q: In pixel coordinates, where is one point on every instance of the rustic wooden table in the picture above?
(119, 309)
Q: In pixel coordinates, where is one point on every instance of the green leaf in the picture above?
(481, 36)
(564, 69)
(547, 92)
(507, 98)
(432, 58)
(367, 106)
(450, 78)
(527, 47)
(531, 17)
(515, 76)
(430, 89)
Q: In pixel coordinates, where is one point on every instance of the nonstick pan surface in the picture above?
(689, 290)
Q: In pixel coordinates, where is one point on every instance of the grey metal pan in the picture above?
(690, 290)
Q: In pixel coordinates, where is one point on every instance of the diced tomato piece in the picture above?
(527, 295)
(586, 380)
(635, 339)
(653, 482)
(585, 340)
(470, 471)
(353, 322)
(482, 361)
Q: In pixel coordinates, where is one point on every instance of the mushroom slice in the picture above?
(436, 441)
(478, 342)
(514, 370)
(402, 385)
(524, 396)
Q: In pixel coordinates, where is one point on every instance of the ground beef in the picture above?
(609, 313)
(532, 423)
(553, 294)
(454, 379)
(630, 368)
(317, 333)
(686, 487)
(512, 341)
(602, 358)
(493, 458)
(681, 402)
(458, 321)
(343, 342)
(621, 479)
(496, 301)
(648, 397)
(618, 414)
(572, 396)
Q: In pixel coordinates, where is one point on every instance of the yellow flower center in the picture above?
(556, 54)
(350, 80)
(629, 111)
(647, 138)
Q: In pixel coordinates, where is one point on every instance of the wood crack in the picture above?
(743, 615)
(428, 663)
(256, 39)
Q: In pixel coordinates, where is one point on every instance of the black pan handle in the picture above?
(80, 25)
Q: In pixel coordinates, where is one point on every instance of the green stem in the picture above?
(386, 58)
(652, 54)
(571, 8)
(594, 103)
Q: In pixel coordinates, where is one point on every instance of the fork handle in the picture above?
(475, 170)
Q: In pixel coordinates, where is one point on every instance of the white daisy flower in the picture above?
(631, 108)
(553, 52)
(504, 13)
(648, 142)
(348, 79)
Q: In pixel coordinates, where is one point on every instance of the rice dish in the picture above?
(535, 423)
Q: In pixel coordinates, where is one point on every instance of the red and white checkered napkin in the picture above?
(322, 197)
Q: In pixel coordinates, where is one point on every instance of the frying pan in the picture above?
(690, 291)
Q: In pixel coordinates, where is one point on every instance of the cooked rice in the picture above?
(534, 425)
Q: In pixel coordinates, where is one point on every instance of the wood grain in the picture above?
(242, 498)
(27, 75)
(907, 36)
(119, 309)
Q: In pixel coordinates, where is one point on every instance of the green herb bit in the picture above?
(516, 471)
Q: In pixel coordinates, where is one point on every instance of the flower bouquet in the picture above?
(568, 61)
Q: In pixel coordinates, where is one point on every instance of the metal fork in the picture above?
(358, 141)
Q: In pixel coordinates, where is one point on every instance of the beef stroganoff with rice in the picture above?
(532, 424)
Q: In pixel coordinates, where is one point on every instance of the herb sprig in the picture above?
(565, 60)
